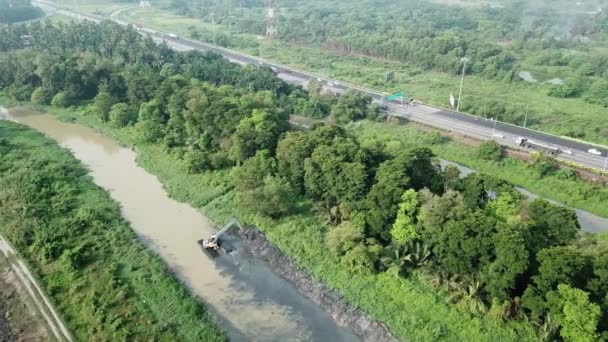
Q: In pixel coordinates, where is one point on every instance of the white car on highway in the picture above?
(594, 151)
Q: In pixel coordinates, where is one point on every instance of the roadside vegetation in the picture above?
(558, 47)
(540, 175)
(433, 255)
(13, 11)
(103, 282)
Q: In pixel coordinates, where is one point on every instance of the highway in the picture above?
(475, 127)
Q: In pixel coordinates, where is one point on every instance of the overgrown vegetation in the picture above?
(433, 255)
(12, 11)
(561, 185)
(424, 43)
(106, 285)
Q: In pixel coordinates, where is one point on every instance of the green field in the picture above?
(105, 284)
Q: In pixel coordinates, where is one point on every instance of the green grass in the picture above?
(99, 7)
(412, 310)
(106, 285)
(574, 193)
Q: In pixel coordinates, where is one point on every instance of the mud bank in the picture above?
(344, 314)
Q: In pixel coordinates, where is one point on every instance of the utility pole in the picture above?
(214, 28)
(464, 68)
(260, 53)
(494, 128)
(526, 117)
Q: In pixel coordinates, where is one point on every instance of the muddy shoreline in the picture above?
(343, 313)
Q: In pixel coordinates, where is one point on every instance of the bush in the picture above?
(254, 170)
(147, 131)
(220, 160)
(21, 93)
(196, 161)
(490, 150)
(61, 99)
(273, 199)
(543, 165)
(122, 115)
(343, 238)
(598, 94)
(566, 89)
(358, 260)
(566, 173)
(42, 96)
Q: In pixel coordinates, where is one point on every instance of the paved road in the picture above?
(441, 118)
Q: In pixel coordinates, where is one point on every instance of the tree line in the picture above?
(477, 238)
(497, 40)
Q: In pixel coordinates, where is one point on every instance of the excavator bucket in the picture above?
(214, 244)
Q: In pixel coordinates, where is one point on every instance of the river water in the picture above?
(249, 300)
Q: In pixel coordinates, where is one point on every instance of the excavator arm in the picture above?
(213, 242)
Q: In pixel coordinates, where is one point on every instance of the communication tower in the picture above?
(271, 20)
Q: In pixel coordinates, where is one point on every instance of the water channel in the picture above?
(250, 301)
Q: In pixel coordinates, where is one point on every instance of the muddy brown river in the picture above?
(251, 302)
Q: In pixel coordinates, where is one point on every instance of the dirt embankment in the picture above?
(330, 300)
(19, 320)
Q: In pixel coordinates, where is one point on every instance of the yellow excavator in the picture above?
(214, 243)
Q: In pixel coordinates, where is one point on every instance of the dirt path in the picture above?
(26, 313)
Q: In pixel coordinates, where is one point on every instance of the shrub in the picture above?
(21, 93)
(196, 161)
(490, 150)
(344, 237)
(254, 170)
(122, 115)
(273, 199)
(566, 173)
(147, 131)
(61, 99)
(598, 94)
(42, 96)
(566, 89)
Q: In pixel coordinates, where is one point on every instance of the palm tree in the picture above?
(468, 294)
(547, 331)
(403, 259)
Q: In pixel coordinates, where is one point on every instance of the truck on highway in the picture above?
(531, 144)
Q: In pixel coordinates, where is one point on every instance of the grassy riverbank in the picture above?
(102, 280)
(412, 309)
